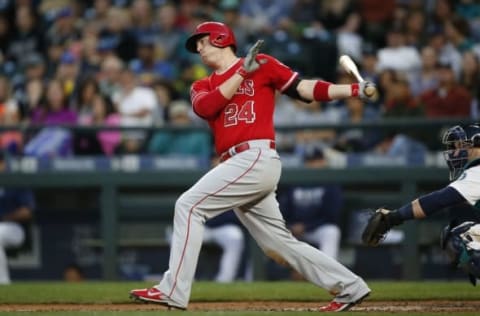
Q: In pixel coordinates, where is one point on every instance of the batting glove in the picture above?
(368, 91)
(250, 63)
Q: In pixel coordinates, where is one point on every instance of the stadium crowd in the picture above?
(123, 63)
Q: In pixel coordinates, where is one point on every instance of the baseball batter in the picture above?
(463, 158)
(237, 101)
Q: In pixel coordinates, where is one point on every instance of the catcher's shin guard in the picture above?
(377, 227)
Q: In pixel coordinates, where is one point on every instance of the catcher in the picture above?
(461, 242)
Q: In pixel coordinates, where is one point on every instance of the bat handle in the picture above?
(358, 77)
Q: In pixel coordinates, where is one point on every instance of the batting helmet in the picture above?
(220, 36)
(458, 140)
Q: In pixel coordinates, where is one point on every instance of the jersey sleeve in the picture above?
(281, 75)
(206, 103)
(468, 185)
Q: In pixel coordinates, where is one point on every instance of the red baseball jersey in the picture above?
(248, 115)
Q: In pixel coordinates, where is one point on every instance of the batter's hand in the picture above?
(250, 63)
(368, 91)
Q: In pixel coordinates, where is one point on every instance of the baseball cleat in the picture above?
(334, 306)
(152, 295)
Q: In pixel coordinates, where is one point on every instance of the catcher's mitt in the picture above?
(377, 227)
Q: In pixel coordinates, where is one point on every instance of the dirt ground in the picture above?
(395, 306)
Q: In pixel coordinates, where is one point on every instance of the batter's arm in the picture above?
(208, 104)
(325, 91)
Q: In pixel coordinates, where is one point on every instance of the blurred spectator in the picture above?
(68, 72)
(348, 40)
(108, 77)
(86, 142)
(6, 99)
(312, 212)
(87, 90)
(178, 142)
(102, 142)
(147, 66)
(52, 141)
(141, 12)
(415, 24)
(116, 37)
(55, 49)
(6, 34)
(368, 63)
(283, 44)
(73, 273)
(55, 110)
(470, 75)
(449, 99)
(397, 55)
(376, 16)
(28, 37)
(34, 66)
(34, 94)
(264, 16)
(426, 78)
(446, 52)
(336, 14)
(88, 53)
(65, 27)
(356, 139)
(399, 145)
(470, 10)
(11, 141)
(399, 101)
(135, 105)
(457, 32)
(104, 113)
(225, 231)
(97, 14)
(168, 36)
(16, 213)
(165, 93)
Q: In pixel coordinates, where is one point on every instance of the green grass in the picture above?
(117, 292)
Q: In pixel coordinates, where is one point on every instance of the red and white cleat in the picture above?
(152, 295)
(334, 306)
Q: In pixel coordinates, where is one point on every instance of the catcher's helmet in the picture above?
(220, 36)
(458, 140)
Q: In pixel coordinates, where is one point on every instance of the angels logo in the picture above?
(246, 88)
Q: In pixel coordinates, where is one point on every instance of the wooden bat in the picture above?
(351, 68)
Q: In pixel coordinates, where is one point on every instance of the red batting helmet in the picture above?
(220, 36)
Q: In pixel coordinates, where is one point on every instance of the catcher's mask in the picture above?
(462, 245)
(220, 35)
(458, 140)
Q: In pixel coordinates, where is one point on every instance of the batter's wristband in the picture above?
(320, 91)
(355, 89)
(242, 72)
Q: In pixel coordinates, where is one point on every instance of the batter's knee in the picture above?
(186, 204)
(183, 204)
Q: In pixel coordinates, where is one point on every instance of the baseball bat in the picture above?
(351, 68)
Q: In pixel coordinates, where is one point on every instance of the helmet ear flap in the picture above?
(473, 134)
(476, 140)
(217, 39)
